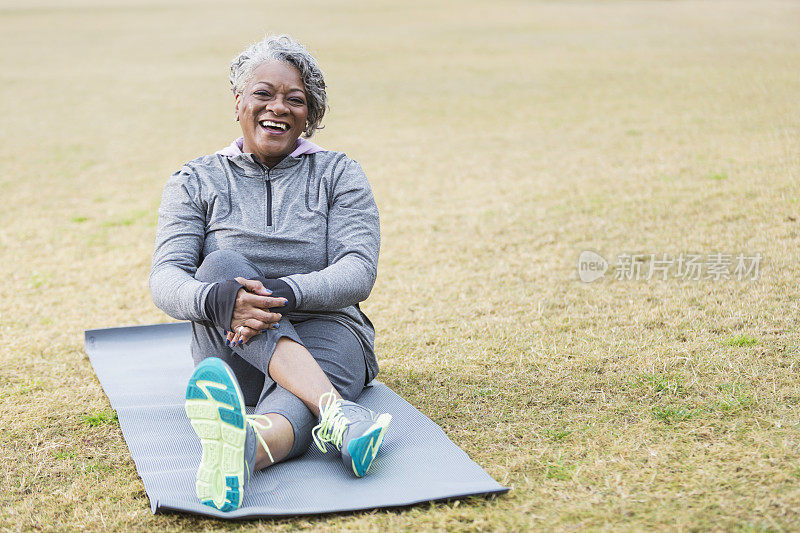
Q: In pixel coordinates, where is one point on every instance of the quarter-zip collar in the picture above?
(252, 167)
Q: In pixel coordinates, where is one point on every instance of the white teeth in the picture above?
(266, 123)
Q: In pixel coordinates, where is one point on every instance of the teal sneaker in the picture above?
(215, 407)
(355, 431)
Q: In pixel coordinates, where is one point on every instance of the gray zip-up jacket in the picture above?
(311, 220)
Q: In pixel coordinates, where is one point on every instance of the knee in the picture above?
(349, 380)
(221, 265)
(350, 389)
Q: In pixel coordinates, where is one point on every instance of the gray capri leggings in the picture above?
(335, 347)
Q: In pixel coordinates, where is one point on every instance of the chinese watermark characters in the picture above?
(715, 266)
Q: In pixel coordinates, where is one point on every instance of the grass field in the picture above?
(501, 142)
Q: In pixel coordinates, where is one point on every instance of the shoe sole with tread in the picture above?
(215, 407)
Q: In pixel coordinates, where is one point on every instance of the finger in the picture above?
(252, 329)
(254, 286)
(234, 336)
(270, 318)
(258, 288)
(228, 337)
(239, 335)
(263, 302)
(261, 290)
(254, 313)
(247, 333)
(261, 327)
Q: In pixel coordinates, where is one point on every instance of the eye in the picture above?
(262, 93)
(297, 101)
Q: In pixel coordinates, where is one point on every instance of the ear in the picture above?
(237, 98)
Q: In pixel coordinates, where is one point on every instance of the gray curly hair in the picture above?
(284, 48)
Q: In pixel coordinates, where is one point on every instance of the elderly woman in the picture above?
(267, 247)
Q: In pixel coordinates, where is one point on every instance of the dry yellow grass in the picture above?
(501, 141)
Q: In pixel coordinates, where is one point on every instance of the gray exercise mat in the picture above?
(144, 371)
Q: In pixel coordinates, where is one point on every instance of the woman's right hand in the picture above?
(251, 312)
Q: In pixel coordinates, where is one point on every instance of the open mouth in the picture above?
(274, 127)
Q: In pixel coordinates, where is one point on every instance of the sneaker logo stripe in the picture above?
(205, 385)
(368, 458)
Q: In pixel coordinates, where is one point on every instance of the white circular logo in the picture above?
(591, 266)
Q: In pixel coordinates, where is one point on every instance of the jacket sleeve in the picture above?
(180, 235)
(353, 246)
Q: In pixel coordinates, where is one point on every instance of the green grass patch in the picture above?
(96, 467)
(671, 414)
(557, 470)
(118, 222)
(733, 398)
(100, 418)
(741, 341)
(37, 279)
(662, 384)
(717, 176)
(558, 434)
(11, 387)
(127, 219)
(64, 455)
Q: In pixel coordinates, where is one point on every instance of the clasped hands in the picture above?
(252, 312)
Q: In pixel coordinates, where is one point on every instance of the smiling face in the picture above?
(272, 110)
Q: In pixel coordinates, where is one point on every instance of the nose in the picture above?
(278, 106)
